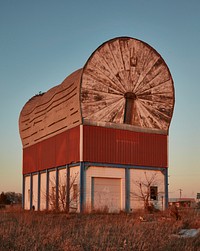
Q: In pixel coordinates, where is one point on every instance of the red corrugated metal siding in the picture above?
(108, 145)
(56, 151)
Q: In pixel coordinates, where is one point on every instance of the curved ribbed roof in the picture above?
(53, 112)
(124, 82)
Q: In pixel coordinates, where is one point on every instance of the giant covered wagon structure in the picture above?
(98, 138)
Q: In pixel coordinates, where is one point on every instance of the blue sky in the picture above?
(42, 42)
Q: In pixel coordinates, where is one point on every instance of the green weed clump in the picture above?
(24, 230)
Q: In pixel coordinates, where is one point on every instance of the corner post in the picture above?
(127, 189)
(166, 188)
(57, 188)
(38, 191)
(31, 191)
(23, 191)
(47, 189)
(82, 192)
(67, 188)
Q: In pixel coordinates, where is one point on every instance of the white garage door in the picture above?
(106, 193)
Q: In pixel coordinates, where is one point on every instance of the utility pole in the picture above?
(180, 192)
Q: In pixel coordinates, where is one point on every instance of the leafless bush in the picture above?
(67, 195)
(143, 192)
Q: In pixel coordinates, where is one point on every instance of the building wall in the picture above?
(103, 172)
(52, 190)
(52, 152)
(62, 175)
(109, 145)
(93, 144)
(143, 177)
(93, 187)
(35, 191)
(62, 186)
(27, 193)
(100, 144)
(43, 189)
(75, 189)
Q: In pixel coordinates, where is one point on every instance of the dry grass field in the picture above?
(21, 230)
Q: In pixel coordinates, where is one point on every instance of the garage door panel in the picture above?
(106, 193)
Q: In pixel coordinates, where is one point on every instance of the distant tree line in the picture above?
(10, 198)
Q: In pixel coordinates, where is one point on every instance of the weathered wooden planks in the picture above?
(127, 65)
(53, 112)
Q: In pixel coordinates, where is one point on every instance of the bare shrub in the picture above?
(143, 192)
(65, 196)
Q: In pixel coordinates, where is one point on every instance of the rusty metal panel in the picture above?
(53, 152)
(127, 81)
(73, 145)
(51, 113)
(29, 160)
(47, 149)
(108, 145)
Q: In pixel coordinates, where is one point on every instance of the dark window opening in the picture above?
(154, 193)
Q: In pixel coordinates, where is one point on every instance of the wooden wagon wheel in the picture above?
(127, 81)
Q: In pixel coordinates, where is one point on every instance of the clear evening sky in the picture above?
(43, 41)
